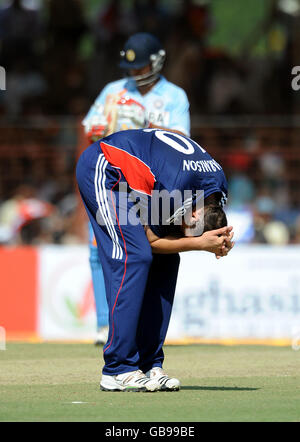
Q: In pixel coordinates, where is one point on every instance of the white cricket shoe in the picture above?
(102, 336)
(158, 375)
(130, 381)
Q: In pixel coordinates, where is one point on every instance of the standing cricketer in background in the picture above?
(143, 99)
(139, 249)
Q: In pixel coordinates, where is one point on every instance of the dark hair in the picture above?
(214, 217)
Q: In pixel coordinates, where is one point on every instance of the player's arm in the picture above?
(217, 241)
(98, 122)
(95, 123)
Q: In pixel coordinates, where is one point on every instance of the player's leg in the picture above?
(99, 296)
(155, 316)
(125, 279)
(126, 268)
(157, 308)
(125, 256)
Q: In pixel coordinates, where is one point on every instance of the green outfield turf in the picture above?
(60, 382)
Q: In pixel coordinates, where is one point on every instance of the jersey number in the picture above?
(187, 149)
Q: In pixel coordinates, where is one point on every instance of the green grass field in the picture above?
(41, 382)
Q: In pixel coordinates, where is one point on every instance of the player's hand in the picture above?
(217, 241)
(97, 128)
(227, 245)
(129, 109)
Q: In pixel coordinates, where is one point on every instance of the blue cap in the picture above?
(138, 49)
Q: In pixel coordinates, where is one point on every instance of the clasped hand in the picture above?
(218, 241)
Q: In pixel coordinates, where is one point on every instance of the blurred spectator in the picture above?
(195, 19)
(272, 166)
(21, 217)
(111, 23)
(20, 30)
(241, 190)
(23, 83)
(26, 218)
(153, 17)
(276, 233)
(66, 25)
(63, 70)
(225, 87)
(268, 230)
(239, 161)
(185, 45)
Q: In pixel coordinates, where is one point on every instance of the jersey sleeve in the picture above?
(163, 231)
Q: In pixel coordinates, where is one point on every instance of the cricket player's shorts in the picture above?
(139, 286)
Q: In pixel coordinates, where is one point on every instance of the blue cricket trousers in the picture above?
(140, 287)
(98, 288)
(98, 281)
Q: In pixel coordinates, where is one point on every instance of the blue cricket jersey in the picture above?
(155, 159)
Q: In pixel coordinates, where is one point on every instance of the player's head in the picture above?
(214, 217)
(209, 217)
(143, 57)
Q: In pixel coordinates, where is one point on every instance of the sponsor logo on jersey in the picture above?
(181, 211)
(159, 118)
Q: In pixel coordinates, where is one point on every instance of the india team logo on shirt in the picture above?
(158, 104)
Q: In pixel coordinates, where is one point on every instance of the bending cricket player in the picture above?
(140, 259)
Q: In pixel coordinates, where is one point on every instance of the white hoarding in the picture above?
(66, 307)
(252, 293)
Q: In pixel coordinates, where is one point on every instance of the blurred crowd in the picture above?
(266, 211)
(59, 54)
